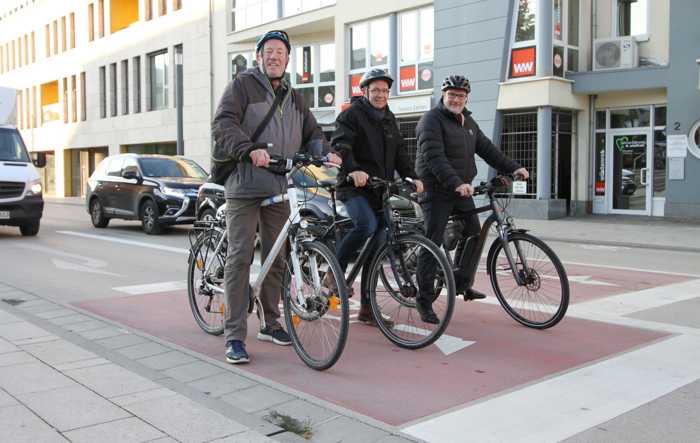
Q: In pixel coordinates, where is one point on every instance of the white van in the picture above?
(21, 201)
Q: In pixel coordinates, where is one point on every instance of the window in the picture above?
(632, 17)
(114, 167)
(65, 99)
(313, 74)
(91, 22)
(72, 30)
(137, 84)
(103, 92)
(630, 118)
(162, 8)
(113, 89)
(125, 87)
(55, 37)
(249, 13)
(149, 9)
(565, 18)
(101, 18)
(64, 34)
(20, 120)
(26, 49)
(358, 46)
(369, 46)
(83, 94)
(177, 5)
(416, 43)
(73, 99)
(158, 80)
(659, 182)
(241, 62)
(379, 38)
(293, 7)
(525, 24)
(33, 48)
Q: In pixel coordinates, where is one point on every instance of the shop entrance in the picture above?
(630, 168)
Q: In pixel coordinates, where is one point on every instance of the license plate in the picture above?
(4, 215)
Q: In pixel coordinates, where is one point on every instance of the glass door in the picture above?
(629, 171)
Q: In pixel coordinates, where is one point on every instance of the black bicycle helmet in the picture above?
(273, 35)
(375, 74)
(456, 82)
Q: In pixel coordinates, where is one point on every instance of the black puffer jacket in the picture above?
(446, 150)
(371, 143)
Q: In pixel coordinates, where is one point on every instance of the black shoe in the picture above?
(471, 294)
(365, 316)
(427, 315)
(277, 336)
(235, 352)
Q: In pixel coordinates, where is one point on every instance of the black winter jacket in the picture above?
(371, 144)
(446, 149)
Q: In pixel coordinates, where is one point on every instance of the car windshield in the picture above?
(11, 147)
(171, 167)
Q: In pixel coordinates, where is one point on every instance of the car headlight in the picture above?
(172, 192)
(34, 188)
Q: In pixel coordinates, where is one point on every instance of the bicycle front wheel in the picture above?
(205, 282)
(319, 319)
(543, 298)
(394, 288)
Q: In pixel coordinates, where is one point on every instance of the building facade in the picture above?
(599, 99)
(99, 77)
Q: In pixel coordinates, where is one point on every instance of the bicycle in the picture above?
(317, 319)
(388, 263)
(526, 275)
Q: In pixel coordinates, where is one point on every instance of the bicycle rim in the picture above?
(540, 303)
(206, 265)
(393, 284)
(319, 325)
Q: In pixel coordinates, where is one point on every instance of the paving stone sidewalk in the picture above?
(66, 375)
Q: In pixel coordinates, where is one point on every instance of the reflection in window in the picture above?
(416, 50)
(629, 118)
(409, 38)
(327, 62)
(380, 42)
(526, 21)
(158, 70)
(304, 65)
(427, 35)
(358, 46)
(557, 32)
(632, 18)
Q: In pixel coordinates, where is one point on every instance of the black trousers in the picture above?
(437, 208)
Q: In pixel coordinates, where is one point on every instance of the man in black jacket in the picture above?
(448, 139)
(368, 139)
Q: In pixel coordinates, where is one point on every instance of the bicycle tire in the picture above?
(201, 302)
(525, 303)
(323, 307)
(401, 309)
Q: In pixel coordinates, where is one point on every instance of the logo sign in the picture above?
(425, 80)
(522, 62)
(355, 85)
(328, 98)
(626, 145)
(599, 187)
(306, 75)
(407, 78)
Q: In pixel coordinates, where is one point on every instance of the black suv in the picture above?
(159, 190)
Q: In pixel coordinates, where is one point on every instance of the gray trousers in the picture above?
(242, 216)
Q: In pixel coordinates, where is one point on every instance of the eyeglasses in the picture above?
(379, 91)
(454, 96)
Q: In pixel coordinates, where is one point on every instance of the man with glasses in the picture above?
(448, 139)
(241, 134)
(368, 139)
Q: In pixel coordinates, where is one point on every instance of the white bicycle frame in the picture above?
(294, 219)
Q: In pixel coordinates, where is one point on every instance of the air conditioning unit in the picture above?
(615, 53)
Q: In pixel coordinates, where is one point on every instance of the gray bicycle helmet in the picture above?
(375, 74)
(456, 82)
(273, 35)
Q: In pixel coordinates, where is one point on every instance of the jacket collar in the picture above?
(451, 115)
(365, 106)
(265, 82)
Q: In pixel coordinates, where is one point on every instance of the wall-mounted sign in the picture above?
(425, 75)
(522, 62)
(407, 78)
(676, 145)
(306, 75)
(355, 85)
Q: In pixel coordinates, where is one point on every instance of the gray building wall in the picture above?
(683, 196)
(472, 39)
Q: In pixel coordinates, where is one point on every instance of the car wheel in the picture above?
(208, 214)
(29, 229)
(149, 218)
(97, 214)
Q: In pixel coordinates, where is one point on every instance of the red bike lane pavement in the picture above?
(491, 352)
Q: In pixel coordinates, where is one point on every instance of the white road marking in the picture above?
(600, 247)
(446, 343)
(126, 242)
(74, 262)
(586, 280)
(563, 406)
(152, 287)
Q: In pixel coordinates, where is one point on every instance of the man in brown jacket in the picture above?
(292, 128)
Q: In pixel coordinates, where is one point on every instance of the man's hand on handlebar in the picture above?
(334, 159)
(419, 185)
(465, 190)
(521, 173)
(260, 158)
(359, 178)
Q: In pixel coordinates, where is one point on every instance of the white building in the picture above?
(98, 77)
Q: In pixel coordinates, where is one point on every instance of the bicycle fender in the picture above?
(496, 242)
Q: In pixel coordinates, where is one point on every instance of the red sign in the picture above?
(522, 62)
(407, 78)
(599, 187)
(355, 85)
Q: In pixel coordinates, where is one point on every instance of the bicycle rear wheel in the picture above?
(205, 274)
(318, 324)
(544, 298)
(393, 288)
